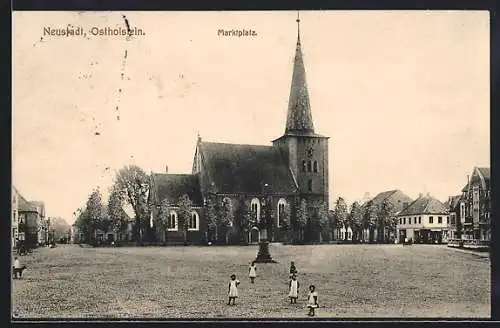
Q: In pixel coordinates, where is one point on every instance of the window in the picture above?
(415, 220)
(440, 220)
(172, 223)
(304, 166)
(281, 212)
(404, 220)
(315, 167)
(400, 221)
(447, 220)
(462, 210)
(431, 219)
(255, 208)
(309, 164)
(194, 221)
(419, 220)
(310, 185)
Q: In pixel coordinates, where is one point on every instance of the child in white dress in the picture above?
(312, 300)
(233, 289)
(294, 290)
(252, 272)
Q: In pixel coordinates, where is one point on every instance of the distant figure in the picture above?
(312, 300)
(209, 243)
(18, 268)
(252, 272)
(233, 289)
(293, 269)
(294, 290)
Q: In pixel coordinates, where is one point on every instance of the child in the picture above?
(18, 268)
(293, 269)
(233, 289)
(312, 300)
(252, 272)
(294, 290)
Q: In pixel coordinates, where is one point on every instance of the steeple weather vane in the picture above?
(298, 26)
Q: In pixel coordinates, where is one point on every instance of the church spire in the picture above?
(299, 118)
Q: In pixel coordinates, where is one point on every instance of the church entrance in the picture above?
(254, 235)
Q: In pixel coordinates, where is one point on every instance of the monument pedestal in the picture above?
(263, 256)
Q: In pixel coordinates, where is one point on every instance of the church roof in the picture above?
(424, 205)
(299, 118)
(173, 186)
(237, 168)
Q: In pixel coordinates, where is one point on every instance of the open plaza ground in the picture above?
(192, 282)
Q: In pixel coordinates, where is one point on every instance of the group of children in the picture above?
(312, 299)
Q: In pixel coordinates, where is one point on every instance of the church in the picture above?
(243, 193)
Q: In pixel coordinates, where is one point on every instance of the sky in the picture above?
(403, 96)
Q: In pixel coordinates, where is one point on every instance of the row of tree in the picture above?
(227, 222)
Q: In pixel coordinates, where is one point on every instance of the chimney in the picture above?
(420, 195)
(166, 168)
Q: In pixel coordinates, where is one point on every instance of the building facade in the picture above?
(425, 221)
(14, 216)
(255, 188)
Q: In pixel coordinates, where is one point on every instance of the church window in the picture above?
(194, 221)
(309, 166)
(304, 166)
(315, 166)
(310, 185)
(255, 208)
(172, 222)
(281, 211)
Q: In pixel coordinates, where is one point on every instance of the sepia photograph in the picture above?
(316, 164)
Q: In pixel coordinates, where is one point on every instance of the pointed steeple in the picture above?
(299, 118)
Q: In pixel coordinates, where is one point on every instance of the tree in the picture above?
(185, 213)
(94, 211)
(299, 220)
(285, 224)
(369, 211)
(356, 220)
(385, 216)
(242, 219)
(117, 219)
(211, 217)
(83, 224)
(133, 184)
(225, 217)
(324, 223)
(340, 214)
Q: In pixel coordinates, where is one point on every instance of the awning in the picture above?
(437, 230)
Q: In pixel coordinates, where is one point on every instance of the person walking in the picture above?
(294, 290)
(312, 300)
(252, 272)
(233, 289)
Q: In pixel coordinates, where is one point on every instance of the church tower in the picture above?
(305, 151)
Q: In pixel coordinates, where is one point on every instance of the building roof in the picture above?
(24, 205)
(424, 205)
(481, 174)
(39, 206)
(395, 197)
(452, 202)
(237, 168)
(299, 117)
(173, 186)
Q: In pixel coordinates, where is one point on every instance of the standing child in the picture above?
(252, 272)
(18, 268)
(294, 290)
(293, 269)
(233, 289)
(312, 300)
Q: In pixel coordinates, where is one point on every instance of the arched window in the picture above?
(315, 167)
(304, 166)
(255, 208)
(310, 185)
(194, 221)
(172, 223)
(281, 211)
(309, 164)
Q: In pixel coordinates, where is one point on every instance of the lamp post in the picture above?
(263, 255)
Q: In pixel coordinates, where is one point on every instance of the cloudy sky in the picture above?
(403, 96)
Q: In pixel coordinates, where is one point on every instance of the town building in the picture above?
(454, 204)
(425, 221)
(32, 226)
(14, 216)
(396, 201)
(475, 205)
(267, 181)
